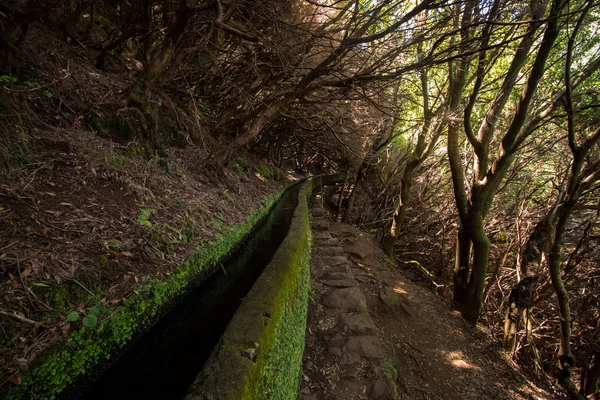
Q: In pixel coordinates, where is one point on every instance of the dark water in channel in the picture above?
(164, 362)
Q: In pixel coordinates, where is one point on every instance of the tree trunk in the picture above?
(160, 62)
(591, 376)
(481, 250)
(263, 118)
(340, 201)
(461, 266)
(359, 177)
(400, 212)
(565, 356)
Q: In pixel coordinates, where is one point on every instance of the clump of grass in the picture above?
(269, 171)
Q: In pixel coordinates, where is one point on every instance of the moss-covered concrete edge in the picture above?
(88, 347)
(260, 353)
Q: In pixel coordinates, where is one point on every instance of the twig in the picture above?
(20, 318)
(44, 86)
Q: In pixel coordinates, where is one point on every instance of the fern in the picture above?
(144, 217)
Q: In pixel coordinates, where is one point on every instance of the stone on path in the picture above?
(347, 299)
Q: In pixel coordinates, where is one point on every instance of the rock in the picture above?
(322, 236)
(318, 212)
(333, 276)
(341, 283)
(331, 251)
(340, 269)
(335, 260)
(382, 389)
(357, 324)
(347, 299)
(320, 225)
(394, 300)
(326, 242)
(366, 346)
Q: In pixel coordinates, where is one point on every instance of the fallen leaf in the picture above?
(16, 379)
(51, 194)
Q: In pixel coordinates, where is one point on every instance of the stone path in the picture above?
(343, 358)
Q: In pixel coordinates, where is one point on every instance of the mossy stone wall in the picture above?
(260, 353)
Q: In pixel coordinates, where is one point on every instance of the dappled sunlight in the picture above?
(459, 360)
(399, 288)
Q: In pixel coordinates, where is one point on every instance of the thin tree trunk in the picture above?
(359, 177)
(481, 251)
(339, 206)
(591, 376)
(461, 266)
(400, 212)
(565, 356)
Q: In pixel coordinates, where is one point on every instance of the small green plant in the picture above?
(237, 168)
(170, 167)
(91, 318)
(144, 217)
(7, 79)
(73, 316)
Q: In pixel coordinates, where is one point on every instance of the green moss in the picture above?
(88, 346)
(268, 171)
(270, 323)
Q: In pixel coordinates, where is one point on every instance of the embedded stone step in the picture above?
(366, 346)
(334, 276)
(327, 242)
(341, 283)
(320, 225)
(322, 236)
(357, 324)
(334, 260)
(331, 251)
(346, 299)
(318, 212)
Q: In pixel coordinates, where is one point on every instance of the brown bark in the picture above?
(473, 209)
(591, 376)
(400, 212)
(341, 199)
(161, 61)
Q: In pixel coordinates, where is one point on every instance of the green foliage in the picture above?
(90, 320)
(7, 79)
(144, 217)
(73, 316)
(269, 171)
(171, 169)
(98, 340)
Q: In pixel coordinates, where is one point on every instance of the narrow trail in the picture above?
(374, 334)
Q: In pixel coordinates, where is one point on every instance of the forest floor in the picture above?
(86, 213)
(87, 219)
(429, 351)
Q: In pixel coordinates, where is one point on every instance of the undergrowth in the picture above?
(102, 335)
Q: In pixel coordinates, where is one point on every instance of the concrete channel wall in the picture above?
(260, 353)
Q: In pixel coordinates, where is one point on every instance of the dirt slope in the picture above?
(430, 353)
